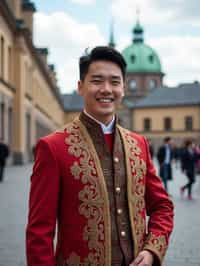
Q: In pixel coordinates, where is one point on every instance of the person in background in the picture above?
(165, 156)
(4, 153)
(188, 161)
(96, 180)
(197, 150)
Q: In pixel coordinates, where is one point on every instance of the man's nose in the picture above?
(106, 87)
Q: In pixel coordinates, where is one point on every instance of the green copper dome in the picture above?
(141, 58)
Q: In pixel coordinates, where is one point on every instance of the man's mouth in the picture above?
(105, 100)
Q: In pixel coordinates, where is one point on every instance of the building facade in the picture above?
(171, 112)
(30, 102)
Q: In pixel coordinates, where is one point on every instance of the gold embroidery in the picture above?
(156, 243)
(93, 204)
(136, 170)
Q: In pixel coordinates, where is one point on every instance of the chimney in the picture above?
(28, 9)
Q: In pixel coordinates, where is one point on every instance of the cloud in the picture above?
(66, 39)
(179, 58)
(84, 2)
(156, 11)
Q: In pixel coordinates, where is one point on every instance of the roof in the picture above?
(72, 102)
(141, 58)
(182, 95)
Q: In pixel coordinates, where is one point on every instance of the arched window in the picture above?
(133, 58)
(151, 58)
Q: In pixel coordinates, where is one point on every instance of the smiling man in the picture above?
(96, 180)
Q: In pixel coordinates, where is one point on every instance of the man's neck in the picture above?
(106, 127)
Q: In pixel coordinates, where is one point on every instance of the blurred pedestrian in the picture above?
(165, 156)
(4, 153)
(188, 160)
(198, 160)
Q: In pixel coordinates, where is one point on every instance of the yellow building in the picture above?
(168, 111)
(30, 104)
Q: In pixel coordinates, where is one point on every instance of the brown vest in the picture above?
(113, 166)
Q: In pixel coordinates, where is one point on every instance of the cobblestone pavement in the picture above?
(184, 247)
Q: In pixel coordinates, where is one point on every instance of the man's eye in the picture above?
(115, 82)
(96, 81)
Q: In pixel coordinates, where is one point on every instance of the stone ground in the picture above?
(184, 247)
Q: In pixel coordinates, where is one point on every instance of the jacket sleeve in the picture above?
(160, 211)
(43, 204)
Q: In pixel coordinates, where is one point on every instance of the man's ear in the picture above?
(80, 85)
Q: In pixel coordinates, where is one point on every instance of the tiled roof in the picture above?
(184, 94)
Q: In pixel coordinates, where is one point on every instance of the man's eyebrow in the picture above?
(116, 77)
(96, 76)
(102, 76)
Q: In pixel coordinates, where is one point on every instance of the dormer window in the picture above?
(151, 58)
(133, 58)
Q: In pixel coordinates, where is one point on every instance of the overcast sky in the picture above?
(171, 27)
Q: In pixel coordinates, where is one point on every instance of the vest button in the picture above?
(119, 211)
(118, 190)
(116, 159)
(123, 233)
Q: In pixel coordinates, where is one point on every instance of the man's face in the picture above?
(102, 90)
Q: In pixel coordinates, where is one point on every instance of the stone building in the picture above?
(30, 102)
(168, 111)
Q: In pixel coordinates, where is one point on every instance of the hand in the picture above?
(144, 258)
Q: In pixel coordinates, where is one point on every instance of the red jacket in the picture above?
(67, 186)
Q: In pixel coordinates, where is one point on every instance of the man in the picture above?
(4, 153)
(97, 181)
(165, 156)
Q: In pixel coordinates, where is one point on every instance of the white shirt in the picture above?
(167, 154)
(107, 129)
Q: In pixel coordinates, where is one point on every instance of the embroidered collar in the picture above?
(107, 129)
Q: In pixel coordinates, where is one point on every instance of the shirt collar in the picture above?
(107, 129)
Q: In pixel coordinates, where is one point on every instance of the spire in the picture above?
(112, 41)
(138, 29)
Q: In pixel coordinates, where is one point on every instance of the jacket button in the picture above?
(123, 233)
(116, 159)
(119, 211)
(118, 190)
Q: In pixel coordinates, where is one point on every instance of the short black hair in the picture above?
(167, 139)
(101, 53)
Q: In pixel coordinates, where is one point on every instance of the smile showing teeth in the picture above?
(103, 100)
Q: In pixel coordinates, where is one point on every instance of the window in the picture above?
(2, 114)
(133, 58)
(147, 124)
(2, 57)
(152, 83)
(188, 123)
(9, 64)
(10, 125)
(167, 124)
(132, 84)
(151, 58)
